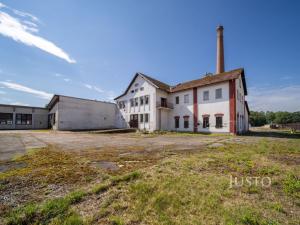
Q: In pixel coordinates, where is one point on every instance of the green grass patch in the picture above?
(53, 210)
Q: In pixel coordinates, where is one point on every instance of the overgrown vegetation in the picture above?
(261, 118)
(191, 187)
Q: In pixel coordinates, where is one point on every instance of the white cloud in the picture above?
(19, 87)
(88, 86)
(111, 95)
(274, 99)
(25, 14)
(67, 79)
(24, 31)
(98, 89)
(91, 87)
(19, 103)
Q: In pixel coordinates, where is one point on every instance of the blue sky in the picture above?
(92, 49)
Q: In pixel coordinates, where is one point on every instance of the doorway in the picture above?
(134, 121)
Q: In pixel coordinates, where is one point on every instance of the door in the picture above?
(134, 121)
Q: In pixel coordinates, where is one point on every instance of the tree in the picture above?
(270, 117)
(257, 118)
(283, 117)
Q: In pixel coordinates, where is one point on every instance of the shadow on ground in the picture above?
(274, 134)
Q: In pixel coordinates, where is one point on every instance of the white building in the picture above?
(70, 113)
(213, 103)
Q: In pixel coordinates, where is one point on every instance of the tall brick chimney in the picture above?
(220, 50)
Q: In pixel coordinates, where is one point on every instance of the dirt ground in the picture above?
(16, 142)
(42, 165)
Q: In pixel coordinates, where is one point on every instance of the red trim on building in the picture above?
(176, 117)
(195, 105)
(205, 115)
(232, 106)
(186, 116)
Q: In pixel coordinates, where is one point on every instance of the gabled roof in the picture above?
(207, 80)
(247, 107)
(154, 82)
(212, 79)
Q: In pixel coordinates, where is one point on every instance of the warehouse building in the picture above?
(70, 113)
(23, 117)
(62, 113)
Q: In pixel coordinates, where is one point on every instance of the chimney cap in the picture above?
(220, 27)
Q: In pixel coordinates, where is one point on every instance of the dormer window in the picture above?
(136, 84)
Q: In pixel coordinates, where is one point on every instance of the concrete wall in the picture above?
(39, 117)
(81, 114)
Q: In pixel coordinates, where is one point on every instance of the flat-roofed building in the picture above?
(23, 117)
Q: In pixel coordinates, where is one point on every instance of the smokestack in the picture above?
(220, 50)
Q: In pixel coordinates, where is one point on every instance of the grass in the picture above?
(194, 189)
(54, 209)
(182, 188)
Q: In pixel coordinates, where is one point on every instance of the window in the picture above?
(177, 100)
(219, 121)
(146, 117)
(163, 102)
(240, 82)
(142, 100)
(6, 118)
(206, 95)
(131, 102)
(205, 121)
(218, 93)
(23, 119)
(176, 121)
(136, 101)
(186, 99)
(186, 121)
(146, 99)
(142, 88)
(136, 84)
(132, 91)
(122, 104)
(141, 118)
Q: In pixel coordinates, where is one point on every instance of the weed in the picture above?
(76, 196)
(125, 178)
(115, 220)
(99, 188)
(292, 185)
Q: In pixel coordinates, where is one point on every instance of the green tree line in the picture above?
(262, 118)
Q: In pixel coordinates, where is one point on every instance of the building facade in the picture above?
(70, 113)
(214, 103)
(23, 117)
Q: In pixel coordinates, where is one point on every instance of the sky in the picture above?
(92, 49)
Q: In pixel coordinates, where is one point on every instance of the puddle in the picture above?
(106, 165)
(11, 166)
